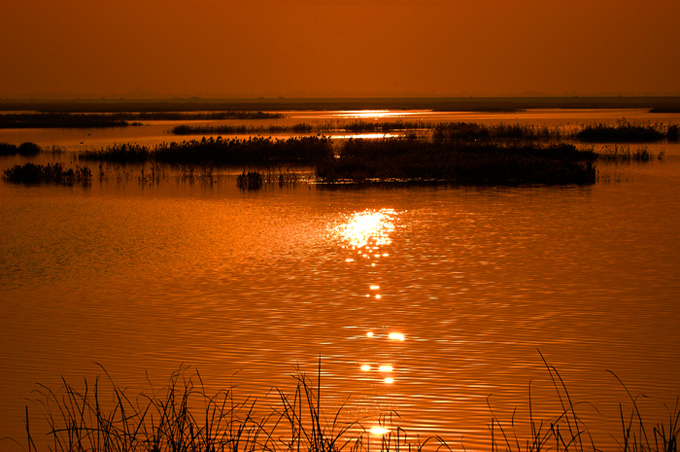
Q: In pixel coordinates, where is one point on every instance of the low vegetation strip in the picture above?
(622, 131)
(60, 120)
(102, 120)
(627, 132)
(228, 129)
(220, 152)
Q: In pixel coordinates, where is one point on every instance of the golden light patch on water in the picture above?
(365, 367)
(365, 136)
(374, 287)
(378, 114)
(370, 227)
(397, 336)
(389, 380)
(369, 334)
(385, 368)
(379, 430)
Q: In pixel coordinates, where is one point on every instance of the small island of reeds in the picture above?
(407, 159)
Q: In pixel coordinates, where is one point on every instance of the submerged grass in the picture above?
(184, 417)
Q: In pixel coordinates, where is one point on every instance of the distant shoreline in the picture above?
(489, 104)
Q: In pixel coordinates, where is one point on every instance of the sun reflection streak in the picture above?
(396, 336)
(379, 430)
(370, 227)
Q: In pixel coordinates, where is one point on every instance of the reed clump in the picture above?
(484, 163)
(472, 131)
(251, 180)
(624, 154)
(26, 149)
(220, 152)
(125, 153)
(625, 131)
(55, 173)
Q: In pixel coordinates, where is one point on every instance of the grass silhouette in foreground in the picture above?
(183, 417)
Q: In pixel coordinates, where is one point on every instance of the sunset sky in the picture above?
(312, 48)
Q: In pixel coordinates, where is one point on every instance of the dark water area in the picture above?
(425, 300)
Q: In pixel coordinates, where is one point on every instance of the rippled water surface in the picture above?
(421, 299)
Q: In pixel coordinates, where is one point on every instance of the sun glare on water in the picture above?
(368, 227)
(378, 114)
(379, 430)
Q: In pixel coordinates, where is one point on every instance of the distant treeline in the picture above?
(59, 120)
(95, 120)
(654, 103)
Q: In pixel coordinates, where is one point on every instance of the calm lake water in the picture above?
(457, 289)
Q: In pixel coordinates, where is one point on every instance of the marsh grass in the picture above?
(624, 154)
(119, 153)
(26, 149)
(220, 152)
(440, 130)
(185, 417)
(227, 129)
(55, 173)
(629, 132)
(485, 163)
(250, 180)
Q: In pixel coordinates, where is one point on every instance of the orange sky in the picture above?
(308, 48)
